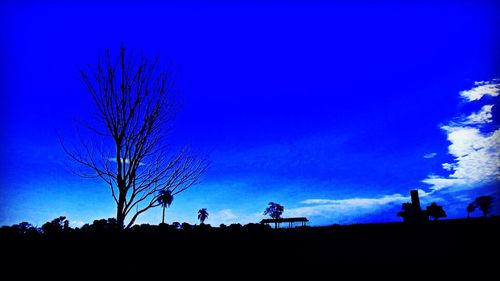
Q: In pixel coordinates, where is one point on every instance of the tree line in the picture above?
(410, 212)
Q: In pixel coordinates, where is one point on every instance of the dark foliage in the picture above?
(274, 211)
(202, 215)
(435, 211)
(470, 208)
(380, 249)
(484, 203)
(58, 225)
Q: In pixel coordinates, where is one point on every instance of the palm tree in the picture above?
(202, 215)
(470, 208)
(484, 204)
(274, 211)
(165, 198)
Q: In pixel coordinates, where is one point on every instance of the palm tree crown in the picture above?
(202, 215)
(165, 199)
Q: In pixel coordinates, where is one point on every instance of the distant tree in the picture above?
(484, 203)
(66, 227)
(55, 226)
(407, 212)
(104, 225)
(176, 224)
(185, 226)
(470, 208)
(274, 211)
(435, 211)
(202, 215)
(86, 227)
(235, 227)
(135, 106)
(112, 224)
(23, 227)
(165, 198)
(204, 226)
(99, 225)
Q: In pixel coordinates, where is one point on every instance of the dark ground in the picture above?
(465, 249)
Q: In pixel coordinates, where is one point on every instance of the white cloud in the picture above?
(478, 83)
(358, 202)
(476, 158)
(483, 116)
(76, 223)
(126, 161)
(449, 166)
(225, 216)
(343, 207)
(430, 155)
(476, 153)
(482, 88)
(438, 183)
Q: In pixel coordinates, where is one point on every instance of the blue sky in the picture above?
(334, 110)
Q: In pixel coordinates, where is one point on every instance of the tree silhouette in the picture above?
(435, 211)
(202, 215)
(134, 109)
(57, 225)
(274, 211)
(407, 212)
(165, 198)
(23, 227)
(470, 208)
(484, 203)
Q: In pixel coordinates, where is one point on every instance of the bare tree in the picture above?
(134, 109)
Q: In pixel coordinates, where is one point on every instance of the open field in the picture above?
(441, 248)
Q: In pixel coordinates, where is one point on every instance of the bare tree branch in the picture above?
(134, 105)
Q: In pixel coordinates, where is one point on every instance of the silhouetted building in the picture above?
(290, 221)
(415, 200)
(412, 212)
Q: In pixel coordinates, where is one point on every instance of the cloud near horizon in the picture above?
(225, 216)
(476, 151)
(76, 223)
(345, 209)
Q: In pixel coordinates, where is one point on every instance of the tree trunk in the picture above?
(120, 212)
(163, 217)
